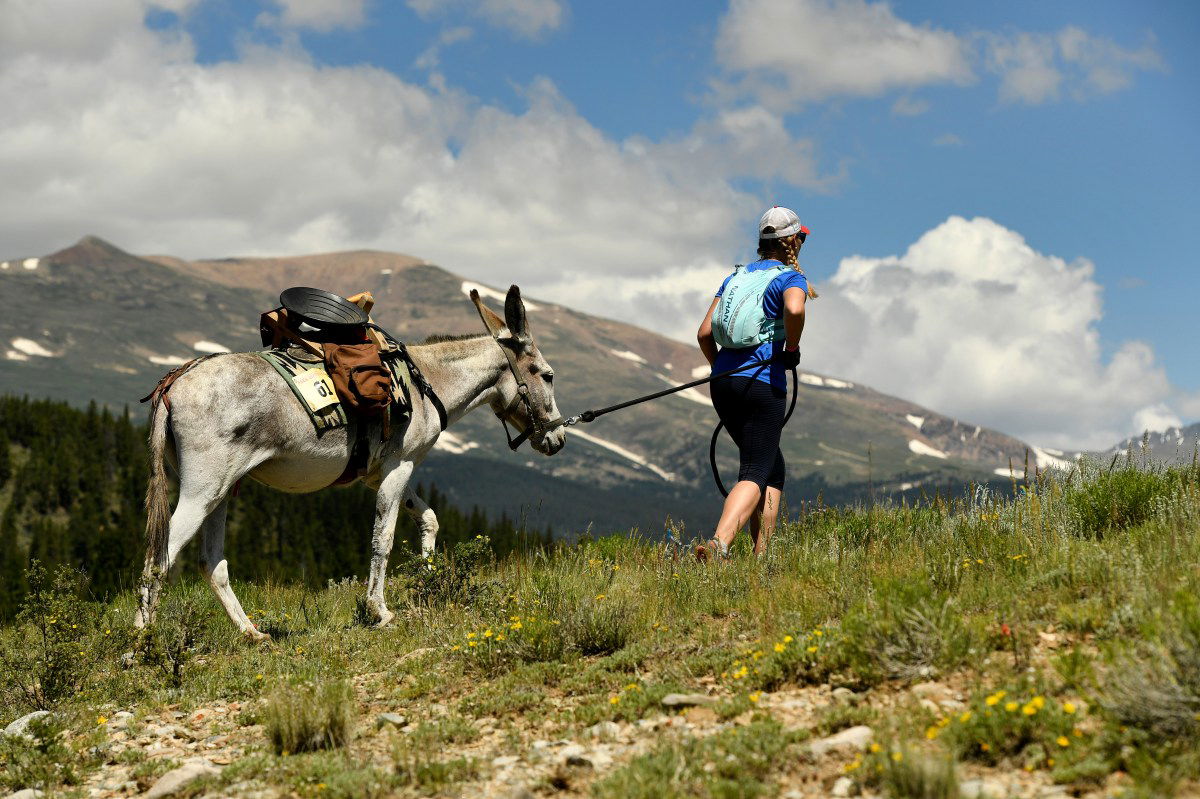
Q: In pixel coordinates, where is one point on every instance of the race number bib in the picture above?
(316, 388)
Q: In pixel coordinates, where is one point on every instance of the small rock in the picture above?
(931, 690)
(415, 654)
(172, 781)
(854, 739)
(601, 760)
(981, 789)
(27, 793)
(393, 719)
(521, 793)
(505, 760)
(183, 733)
(573, 755)
(843, 787)
(688, 700)
(128, 660)
(18, 727)
(700, 715)
(792, 794)
(604, 729)
(650, 725)
(845, 696)
(121, 715)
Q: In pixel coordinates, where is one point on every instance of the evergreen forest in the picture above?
(72, 484)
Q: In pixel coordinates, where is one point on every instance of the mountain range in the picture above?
(93, 322)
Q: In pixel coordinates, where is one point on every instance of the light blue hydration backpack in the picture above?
(738, 321)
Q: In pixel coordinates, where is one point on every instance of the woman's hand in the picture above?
(704, 336)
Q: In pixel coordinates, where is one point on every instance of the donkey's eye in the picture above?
(548, 377)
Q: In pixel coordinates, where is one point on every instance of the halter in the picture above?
(534, 427)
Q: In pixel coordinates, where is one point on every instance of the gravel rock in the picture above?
(394, 719)
(128, 660)
(843, 787)
(171, 782)
(573, 755)
(604, 729)
(981, 789)
(845, 696)
(415, 654)
(505, 760)
(688, 700)
(18, 727)
(26, 793)
(854, 739)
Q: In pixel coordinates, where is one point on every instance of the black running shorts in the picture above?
(753, 412)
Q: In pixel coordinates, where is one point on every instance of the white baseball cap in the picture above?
(779, 223)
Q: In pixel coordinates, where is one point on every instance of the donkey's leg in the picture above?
(387, 509)
(216, 571)
(425, 518)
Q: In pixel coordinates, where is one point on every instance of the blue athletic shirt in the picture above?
(729, 358)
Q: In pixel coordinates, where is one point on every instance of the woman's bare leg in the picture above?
(763, 522)
(740, 505)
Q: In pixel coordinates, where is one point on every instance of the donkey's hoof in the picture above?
(254, 636)
(385, 618)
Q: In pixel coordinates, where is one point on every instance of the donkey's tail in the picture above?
(158, 503)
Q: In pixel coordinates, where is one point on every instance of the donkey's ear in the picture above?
(493, 323)
(514, 313)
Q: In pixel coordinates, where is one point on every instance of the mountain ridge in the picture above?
(96, 322)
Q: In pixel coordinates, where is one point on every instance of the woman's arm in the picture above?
(704, 336)
(793, 316)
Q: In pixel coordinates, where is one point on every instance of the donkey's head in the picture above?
(525, 393)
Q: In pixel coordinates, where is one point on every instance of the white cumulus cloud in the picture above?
(789, 52)
(974, 322)
(322, 15)
(528, 18)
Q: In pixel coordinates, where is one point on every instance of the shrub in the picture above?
(908, 634)
(444, 578)
(56, 643)
(1155, 687)
(307, 717)
(170, 642)
(44, 762)
(1117, 499)
(1014, 723)
(903, 774)
(733, 763)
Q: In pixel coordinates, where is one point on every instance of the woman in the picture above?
(751, 402)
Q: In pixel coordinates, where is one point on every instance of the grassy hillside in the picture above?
(1047, 645)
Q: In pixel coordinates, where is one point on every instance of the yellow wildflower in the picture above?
(1038, 702)
(472, 643)
(1063, 741)
(897, 756)
(500, 637)
(994, 698)
(258, 677)
(101, 720)
(614, 700)
(965, 717)
(599, 596)
(516, 625)
(1011, 706)
(488, 633)
(931, 733)
(754, 697)
(1068, 707)
(875, 747)
(780, 647)
(787, 639)
(812, 649)
(471, 635)
(1029, 709)
(984, 746)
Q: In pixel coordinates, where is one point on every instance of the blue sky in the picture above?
(615, 156)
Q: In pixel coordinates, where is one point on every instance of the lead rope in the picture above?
(591, 416)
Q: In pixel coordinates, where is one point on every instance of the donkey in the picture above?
(231, 416)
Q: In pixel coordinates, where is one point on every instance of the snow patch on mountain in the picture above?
(30, 263)
(915, 421)
(211, 347)
(624, 453)
(448, 442)
(921, 448)
(629, 356)
(809, 379)
(493, 294)
(167, 360)
(28, 347)
(1051, 458)
(701, 371)
(688, 393)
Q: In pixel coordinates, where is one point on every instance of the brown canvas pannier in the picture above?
(361, 379)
